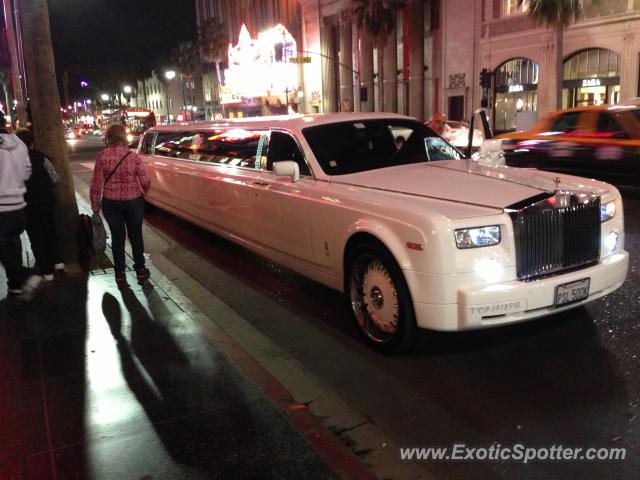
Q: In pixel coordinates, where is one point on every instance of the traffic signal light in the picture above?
(485, 78)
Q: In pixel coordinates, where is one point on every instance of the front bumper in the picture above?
(514, 301)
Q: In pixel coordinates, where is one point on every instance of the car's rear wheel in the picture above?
(380, 299)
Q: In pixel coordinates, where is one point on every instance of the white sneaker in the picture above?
(30, 287)
(48, 277)
(59, 267)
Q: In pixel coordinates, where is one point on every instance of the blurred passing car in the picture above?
(597, 142)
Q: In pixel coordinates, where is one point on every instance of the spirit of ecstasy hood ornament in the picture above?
(557, 180)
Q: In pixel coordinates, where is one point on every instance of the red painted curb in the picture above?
(334, 453)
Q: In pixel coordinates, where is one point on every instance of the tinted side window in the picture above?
(567, 122)
(167, 143)
(147, 143)
(234, 146)
(282, 146)
(608, 124)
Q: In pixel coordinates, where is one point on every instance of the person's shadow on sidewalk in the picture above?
(206, 414)
(43, 414)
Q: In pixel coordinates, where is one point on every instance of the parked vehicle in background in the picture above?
(72, 133)
(86, 129)
(135, 120)
(600, 142)
(413, 234)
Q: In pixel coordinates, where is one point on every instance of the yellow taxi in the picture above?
(600, 142)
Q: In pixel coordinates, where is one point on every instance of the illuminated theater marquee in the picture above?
(262, 66)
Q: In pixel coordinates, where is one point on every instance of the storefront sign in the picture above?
(591, 82)
(300, 60)
(516, 88)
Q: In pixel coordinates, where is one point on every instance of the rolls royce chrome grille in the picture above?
(556, 233)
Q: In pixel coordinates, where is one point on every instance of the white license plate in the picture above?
(572, 292)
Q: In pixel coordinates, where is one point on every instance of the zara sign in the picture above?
(591, 82)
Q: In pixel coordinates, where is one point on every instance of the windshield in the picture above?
(358, 146)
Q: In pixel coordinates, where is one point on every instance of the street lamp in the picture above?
(104, 97)
(169, 75)
(127, 91)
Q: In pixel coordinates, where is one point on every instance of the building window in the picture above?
(516, 85)
(510, 7)
(591, 77)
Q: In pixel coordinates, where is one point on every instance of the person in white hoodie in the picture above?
(15, 169)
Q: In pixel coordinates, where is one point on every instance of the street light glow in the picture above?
(170, 74)
(104, 97)
(127, 89)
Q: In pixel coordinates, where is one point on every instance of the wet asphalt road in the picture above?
(572, 379)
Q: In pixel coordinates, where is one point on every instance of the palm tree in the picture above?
(555, 14)
(377, 17)
(214, 43)
(46, 117)
(186, 59)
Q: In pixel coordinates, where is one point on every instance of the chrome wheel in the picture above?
(374, 299)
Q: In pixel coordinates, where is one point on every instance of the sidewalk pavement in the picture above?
(105, 383)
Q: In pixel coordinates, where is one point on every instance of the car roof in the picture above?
(297, 121)
(591, 108)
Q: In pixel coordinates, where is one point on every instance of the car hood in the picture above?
(469, 182)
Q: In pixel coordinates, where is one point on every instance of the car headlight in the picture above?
(477, 237)
(607, 211)
(129, 138)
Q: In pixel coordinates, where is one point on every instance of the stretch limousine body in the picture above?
(413, 234)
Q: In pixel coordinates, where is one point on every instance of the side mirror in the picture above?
(287, 168)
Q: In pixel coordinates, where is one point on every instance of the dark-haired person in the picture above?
(15, 169)
(119, 179)
(40, 211)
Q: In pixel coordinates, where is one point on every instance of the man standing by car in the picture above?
(438, 123)
(15, 169)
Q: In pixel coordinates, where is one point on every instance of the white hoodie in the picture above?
(15, 169)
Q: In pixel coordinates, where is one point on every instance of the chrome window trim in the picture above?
(295, 139)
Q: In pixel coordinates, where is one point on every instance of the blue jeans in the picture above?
(12, 224)
(124, 218)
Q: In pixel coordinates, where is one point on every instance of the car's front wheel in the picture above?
(380, 299)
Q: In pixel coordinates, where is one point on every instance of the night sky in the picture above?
(105, 31)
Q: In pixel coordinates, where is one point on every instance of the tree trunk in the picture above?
(47, 121)
(559, 67)
(224, 114)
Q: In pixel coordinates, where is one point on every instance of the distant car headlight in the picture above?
(477, 237)
(129, 138)
(607, 211)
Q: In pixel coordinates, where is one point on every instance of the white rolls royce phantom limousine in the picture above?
(414, 235)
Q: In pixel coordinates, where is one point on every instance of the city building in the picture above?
(432, 61)
(172, 97)
(338, 67)
(600, 57)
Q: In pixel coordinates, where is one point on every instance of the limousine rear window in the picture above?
(236, 146)
(351, 147)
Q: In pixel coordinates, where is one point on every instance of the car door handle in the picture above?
(260, 184)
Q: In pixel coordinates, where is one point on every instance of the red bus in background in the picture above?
(135, 120)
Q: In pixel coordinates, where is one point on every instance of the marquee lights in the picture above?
(260, 67)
